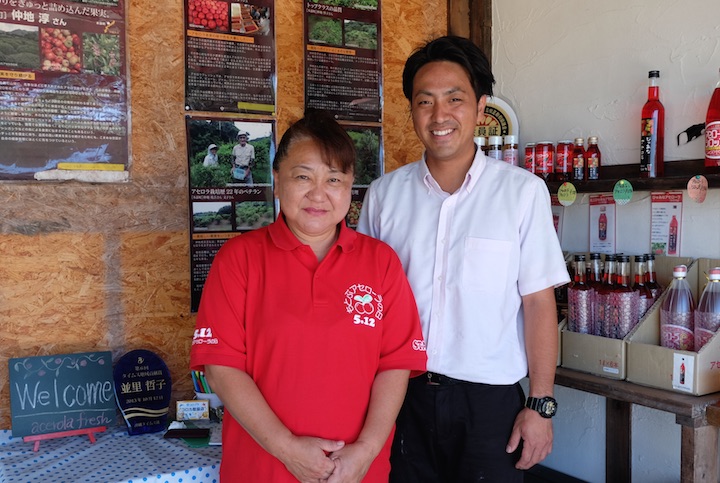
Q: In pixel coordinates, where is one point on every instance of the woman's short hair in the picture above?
(451, 49)
(319, 126)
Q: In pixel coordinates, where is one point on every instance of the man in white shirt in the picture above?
(243, 159)
(477, 242)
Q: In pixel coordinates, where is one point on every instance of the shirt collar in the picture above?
(285, 239)
(471, 177)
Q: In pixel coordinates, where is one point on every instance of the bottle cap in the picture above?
(592, 140)
(594, 256)
(510, 139)
(654, 73)
(580, 141)
(480, 140)
(530, 145)
(495, 140)
(640, 258)
(680, 271)
(579, 258)
(714, 273)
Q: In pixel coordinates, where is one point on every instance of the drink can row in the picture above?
(552, 163)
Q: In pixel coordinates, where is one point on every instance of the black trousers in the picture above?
(456, 432)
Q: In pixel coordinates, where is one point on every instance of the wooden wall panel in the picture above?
(106, 267)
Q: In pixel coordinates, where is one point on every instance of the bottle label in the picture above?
(579, 167)
(676, 337)
(712, 141)
(593, 167)
(648, 144)
(702, 336)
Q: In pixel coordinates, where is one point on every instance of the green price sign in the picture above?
(622, 192)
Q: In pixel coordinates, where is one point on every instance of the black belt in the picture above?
(435, 379)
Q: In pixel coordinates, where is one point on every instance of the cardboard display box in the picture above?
(650, 364)
(604, 356)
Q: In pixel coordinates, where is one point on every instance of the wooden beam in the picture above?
(472, 19)
(618, 437)
(698, 454)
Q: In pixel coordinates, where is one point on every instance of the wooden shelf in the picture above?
(677, 175)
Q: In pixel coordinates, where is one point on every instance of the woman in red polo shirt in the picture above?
(308, 330)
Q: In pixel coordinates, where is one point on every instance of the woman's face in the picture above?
(313, 196)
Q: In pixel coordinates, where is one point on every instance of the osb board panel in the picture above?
(407, 25)
(52, 299)
(155, 287)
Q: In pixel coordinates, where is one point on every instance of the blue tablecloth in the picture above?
(115, 457)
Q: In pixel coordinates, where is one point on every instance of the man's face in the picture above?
(242, 140)
(445, 111)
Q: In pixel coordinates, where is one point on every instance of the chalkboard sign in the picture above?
(65, 392)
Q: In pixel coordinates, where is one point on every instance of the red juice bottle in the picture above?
(623, 301)
(645, 295)
(652, 136)
(602, 314)
(578, 160)
(593, 159)
(651, 276)
(579, 300)
(712, 133)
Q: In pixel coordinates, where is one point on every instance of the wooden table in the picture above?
(698, 416)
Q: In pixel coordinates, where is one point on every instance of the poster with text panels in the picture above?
(343, 64)
(63, 89)
(230, 172)
(369, 164)
(230, 61)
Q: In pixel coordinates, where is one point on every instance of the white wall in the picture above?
(574, 68)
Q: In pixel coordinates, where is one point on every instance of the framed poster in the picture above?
(230, 167)
(63, 91)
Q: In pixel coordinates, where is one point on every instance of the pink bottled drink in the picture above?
(677, 313)
(622, 301)
(602, 297)
(712, 134)
(651, 277)
(707, 314)
(645, 297)
(579, 300)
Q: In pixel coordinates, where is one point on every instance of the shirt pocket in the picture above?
(485, 264)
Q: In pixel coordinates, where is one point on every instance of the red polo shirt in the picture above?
(312, 336)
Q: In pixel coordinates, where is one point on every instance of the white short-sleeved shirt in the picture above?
(470, 257)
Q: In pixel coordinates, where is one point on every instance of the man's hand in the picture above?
(536, 434)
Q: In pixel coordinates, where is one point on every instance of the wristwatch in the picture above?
(546, 406)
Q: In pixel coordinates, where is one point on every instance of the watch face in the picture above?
(549, 407)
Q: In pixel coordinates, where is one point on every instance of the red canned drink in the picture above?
(544, 159)
(563, 160)
(530, 157)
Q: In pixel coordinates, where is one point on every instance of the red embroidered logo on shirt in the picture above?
(365, 304)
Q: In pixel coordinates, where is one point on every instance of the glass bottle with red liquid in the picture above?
(651, 276)
(579, 299)
(677, 313)
(652, 135)
(602, 319)
(623, 301)
(563, 160)
(578, 160)
(645, 296)
(672, 236)
(593, 159)
(707, 314)
(594, 280)
(712, 133)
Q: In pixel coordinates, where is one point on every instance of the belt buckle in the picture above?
(430, 382)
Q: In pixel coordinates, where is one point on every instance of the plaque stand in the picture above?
(61, 434)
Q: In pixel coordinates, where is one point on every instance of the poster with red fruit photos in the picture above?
(369, 165)
(63, 90)
(230, 61)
